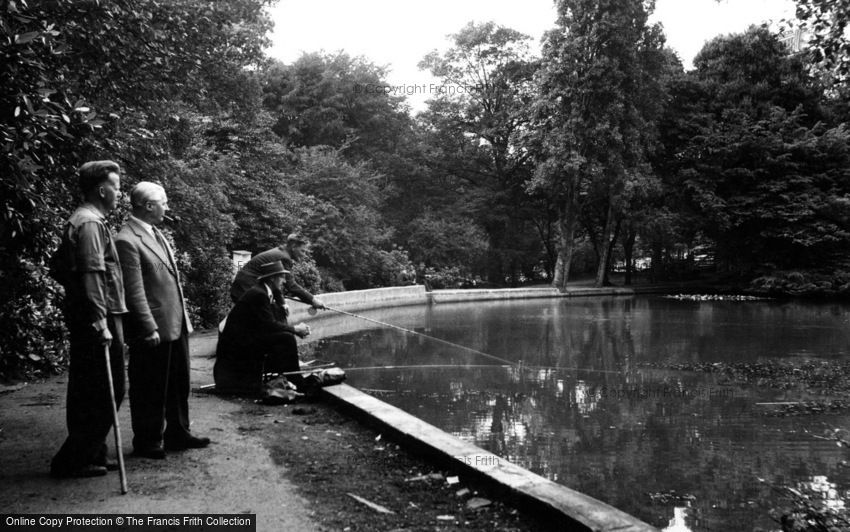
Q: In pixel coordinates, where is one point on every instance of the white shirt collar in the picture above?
(269, 292)
(148, 227)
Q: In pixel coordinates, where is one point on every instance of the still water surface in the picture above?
(680, 450)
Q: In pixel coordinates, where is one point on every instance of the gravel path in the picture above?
(236, 474)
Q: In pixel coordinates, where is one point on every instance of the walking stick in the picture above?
(117, 429)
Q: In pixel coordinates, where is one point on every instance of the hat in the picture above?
(295, 239)
(270, 269)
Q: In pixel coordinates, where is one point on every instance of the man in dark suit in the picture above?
(157, 330)
(86, 264)
(292, 251)
(256, 337)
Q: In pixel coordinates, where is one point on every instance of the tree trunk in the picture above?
(606, 245)
(606, 281)
(567, 216)
(495, 272)
(657, 264)
(544, 231)
(593, 237)
(628, 249)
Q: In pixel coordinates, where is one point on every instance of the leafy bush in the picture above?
(33, 339)
(451, 277)
(329, 282)
(441, 240)
(307, 275)
(392, 268)
(804, 283)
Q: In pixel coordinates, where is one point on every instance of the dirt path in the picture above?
(294, 466)
(236, 474)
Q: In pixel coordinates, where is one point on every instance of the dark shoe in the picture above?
(190, 442)
(109, 464)
(155, 452)
(88, 471)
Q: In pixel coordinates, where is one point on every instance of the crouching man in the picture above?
(256, 338)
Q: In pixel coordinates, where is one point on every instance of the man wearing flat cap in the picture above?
(86, 264)
(158, 330)
(256, 338)
(293, 250)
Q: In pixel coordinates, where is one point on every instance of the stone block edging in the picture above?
(569, 508)
(357, 300)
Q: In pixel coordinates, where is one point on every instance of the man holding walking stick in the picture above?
(86, 264)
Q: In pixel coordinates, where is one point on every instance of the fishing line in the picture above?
(504, 361)
(433, 338)
(477, 366)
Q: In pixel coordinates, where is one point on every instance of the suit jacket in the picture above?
(247, 276)
(152, 285)
(252, 323)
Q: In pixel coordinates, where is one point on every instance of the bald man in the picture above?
(157, 330)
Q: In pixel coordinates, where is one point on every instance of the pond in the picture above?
(599, 406)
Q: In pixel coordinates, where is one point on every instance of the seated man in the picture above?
(256, 338)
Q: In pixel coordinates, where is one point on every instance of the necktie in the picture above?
(164, 245)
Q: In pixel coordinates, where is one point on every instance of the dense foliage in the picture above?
(599, 96)
(603, 152)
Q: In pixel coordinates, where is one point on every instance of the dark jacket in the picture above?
(253, 327)
(252, 322)
(247, 276)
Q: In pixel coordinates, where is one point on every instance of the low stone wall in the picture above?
(459, 296)
(387, 304)
(357, 300)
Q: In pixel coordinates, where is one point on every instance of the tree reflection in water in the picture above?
(594, 409)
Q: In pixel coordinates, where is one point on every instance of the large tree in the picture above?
(477, 119)
(595, 115)
(823, 26)
(757, 161)
(126, 80)
(335, 100)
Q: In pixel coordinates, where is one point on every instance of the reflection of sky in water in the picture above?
(681, 450)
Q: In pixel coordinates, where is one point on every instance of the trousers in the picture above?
(159, 391)
(241, 371)
(88, 405)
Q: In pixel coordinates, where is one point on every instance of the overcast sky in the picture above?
(398, 34)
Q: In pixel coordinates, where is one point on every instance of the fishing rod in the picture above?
(415, 333)
(504, 361)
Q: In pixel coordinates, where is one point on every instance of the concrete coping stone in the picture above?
(357, 300)
(575, 510)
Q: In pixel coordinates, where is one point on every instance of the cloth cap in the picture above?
(270, 269)
(295, 239)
